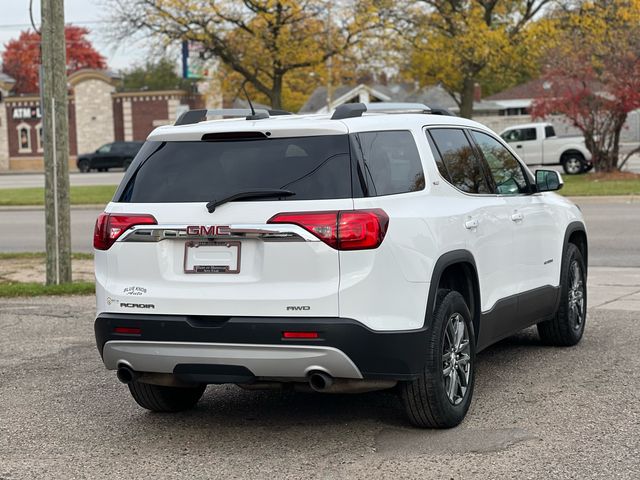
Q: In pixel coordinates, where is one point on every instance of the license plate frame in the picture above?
(207, 268)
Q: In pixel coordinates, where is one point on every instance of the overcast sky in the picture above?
(14, 17)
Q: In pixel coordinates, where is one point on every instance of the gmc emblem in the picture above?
(208, 231)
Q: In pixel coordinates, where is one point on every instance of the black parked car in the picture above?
(110, 155)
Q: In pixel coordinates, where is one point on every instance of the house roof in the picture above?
(535, 88)
(528, 90)
(4, 78)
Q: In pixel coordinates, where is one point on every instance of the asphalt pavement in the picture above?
(538, 412)
(614, 231)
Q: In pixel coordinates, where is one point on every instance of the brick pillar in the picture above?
(4, 140)
(94, 114)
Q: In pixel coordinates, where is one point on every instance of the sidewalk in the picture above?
(614, 288)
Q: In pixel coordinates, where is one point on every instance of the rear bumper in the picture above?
(345, 348)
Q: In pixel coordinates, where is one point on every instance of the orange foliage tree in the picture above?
(21, 57)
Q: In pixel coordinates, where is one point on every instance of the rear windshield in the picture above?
(314, 168)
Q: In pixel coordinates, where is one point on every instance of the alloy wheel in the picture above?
(456, 358)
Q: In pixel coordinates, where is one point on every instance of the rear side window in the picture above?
(463, 168)
(549, 131)
(387, 162)
(314, 168)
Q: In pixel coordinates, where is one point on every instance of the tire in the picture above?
(84, 166)
(573, 164)
(126, 164)
(427, 399)
(567, 326)
(159, 398)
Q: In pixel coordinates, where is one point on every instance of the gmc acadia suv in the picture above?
(380, 247)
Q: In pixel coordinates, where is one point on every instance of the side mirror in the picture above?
(548, 181)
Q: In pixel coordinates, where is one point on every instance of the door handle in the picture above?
(518, 146)
(517, 217)
(471, 224)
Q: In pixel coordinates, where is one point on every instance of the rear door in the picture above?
(535, 229)
(482, 215)
(231, 261)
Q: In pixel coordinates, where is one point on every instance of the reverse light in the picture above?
(110, 226)
(341, 229)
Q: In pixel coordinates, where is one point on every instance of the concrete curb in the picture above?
(606, 199)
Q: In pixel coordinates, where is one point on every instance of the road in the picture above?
(614, 230)
(26, 180)
(538, 412)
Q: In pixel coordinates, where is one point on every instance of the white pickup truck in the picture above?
(537, 144)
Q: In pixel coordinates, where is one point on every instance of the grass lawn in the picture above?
(12, 288)
(601, 184)
(82, 195)
(574, 185)
(32, 289)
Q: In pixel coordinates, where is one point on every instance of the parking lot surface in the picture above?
(538, 411)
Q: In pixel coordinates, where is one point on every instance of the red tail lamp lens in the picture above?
(341, 229)
(110, 226)
(128, 330)
(323, 225)
(300, 335)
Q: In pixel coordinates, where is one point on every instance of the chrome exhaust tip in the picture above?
(320, 381)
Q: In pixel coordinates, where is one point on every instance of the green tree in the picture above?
(459, 43)
(264, 41)
(155, 75)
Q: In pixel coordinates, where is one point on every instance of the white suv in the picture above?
(380, 247)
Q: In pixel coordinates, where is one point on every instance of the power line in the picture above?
(17, 26)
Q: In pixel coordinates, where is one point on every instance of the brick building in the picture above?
(98, 114)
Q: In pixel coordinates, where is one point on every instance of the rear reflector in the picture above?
(128, 330)
(110, 226)
(299, 334)
(341, 229)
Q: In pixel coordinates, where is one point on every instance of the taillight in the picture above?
(341, 229)
(109, 226)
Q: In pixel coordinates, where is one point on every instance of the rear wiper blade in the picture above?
(257, 193)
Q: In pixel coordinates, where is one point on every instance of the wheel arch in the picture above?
(571, 151)
(457, 270)
(576, 233)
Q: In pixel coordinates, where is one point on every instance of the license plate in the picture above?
(212, 257)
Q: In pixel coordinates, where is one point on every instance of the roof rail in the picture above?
(353, 110)
(196, 116)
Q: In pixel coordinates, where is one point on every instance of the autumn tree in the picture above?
(593, 75)
(266, 42)
(21, 57)
(458, 43)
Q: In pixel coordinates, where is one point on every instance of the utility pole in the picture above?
(55, 115)
(329, 60)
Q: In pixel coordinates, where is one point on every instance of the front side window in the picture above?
(388, 162)
(463, 167)
(505, 169)
(105, 148)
